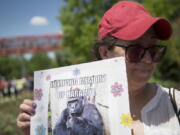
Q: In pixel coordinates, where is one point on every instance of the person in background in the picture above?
(129, 30)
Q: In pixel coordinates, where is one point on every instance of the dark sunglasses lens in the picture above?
(157, 53)
(134, 53)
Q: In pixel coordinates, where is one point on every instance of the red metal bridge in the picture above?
(30, 44)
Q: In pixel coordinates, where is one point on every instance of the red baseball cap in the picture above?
(129, 20)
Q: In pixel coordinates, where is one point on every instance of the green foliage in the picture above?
(63, 57)
(10, 66)
(80, 20)
(165, 8)
(39, 62)
(18, 66)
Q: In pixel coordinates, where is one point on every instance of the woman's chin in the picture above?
(143, 77)
(140, 79)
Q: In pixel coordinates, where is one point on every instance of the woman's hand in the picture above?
(27, 109)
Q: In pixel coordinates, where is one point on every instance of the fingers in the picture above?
(23, 120)
(27, 109)
(24, 117)
(28, 106)
(23, 125)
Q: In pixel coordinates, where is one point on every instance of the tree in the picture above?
(166, 8)
(63, 58)
(80, 20)
(39, 62)
(10, 67)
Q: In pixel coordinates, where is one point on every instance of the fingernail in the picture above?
(34, 105)
(33, 111)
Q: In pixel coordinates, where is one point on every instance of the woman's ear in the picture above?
(104, 52)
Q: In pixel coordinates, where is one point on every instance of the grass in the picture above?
(9, 112)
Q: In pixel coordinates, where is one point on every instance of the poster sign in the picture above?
(83, 99)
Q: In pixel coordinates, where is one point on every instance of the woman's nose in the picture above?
(147, 57)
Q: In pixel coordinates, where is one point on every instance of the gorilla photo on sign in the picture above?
(79, 118)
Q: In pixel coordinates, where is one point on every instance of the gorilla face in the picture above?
(75, 107)
(79, 118)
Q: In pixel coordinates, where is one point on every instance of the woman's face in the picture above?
(138, 73)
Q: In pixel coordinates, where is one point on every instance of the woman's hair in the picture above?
(108, 41)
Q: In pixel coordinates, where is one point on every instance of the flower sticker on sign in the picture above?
(126, 120)
(116, 89)
(48, 77)
(40, 130)
(38, 94)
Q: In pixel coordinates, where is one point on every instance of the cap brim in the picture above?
(138, 27)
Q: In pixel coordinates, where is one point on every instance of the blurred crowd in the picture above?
(15, 86)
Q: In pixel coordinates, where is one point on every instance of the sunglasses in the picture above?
(134, 53)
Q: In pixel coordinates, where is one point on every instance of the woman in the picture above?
(128, 30)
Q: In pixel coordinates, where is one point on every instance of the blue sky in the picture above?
(29, 17)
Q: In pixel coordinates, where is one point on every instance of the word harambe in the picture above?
(94, 79)
(73, 93)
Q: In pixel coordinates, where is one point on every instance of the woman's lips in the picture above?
(143, 70)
